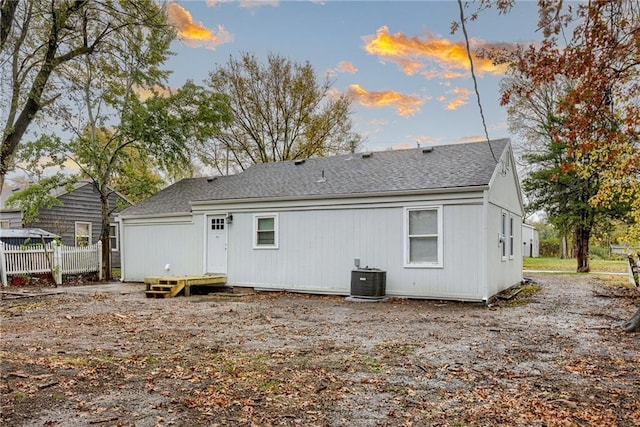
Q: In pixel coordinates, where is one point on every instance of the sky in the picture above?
(408, 76)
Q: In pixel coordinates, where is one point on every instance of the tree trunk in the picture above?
(563, 247)
(633, 325)
(582, 249)
(104, 235)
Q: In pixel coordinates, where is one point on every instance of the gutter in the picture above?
(343, 196)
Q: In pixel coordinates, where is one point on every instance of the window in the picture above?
(511, 239)
(217, 223)
(83, 233)
(114, 237)
(265, 231)
(503, 236)
(423, 246)
(4, 223)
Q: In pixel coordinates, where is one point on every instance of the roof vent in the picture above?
(212, 178)
(427, 150)
(366, 155)
(299, 162)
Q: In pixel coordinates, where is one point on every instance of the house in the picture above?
(77, 220)
(443, 222)
(530, 241)
(26, 236)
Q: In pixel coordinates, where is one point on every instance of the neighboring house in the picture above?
(443, 222)
(26, 236)
(530, 241)
(77, 220)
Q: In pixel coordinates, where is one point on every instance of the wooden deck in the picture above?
(171, 286)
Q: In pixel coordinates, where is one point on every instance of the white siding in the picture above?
(530, 242)
(502, 273)
(505, 188)
(149, 245)
(317, 250)
(503, 197)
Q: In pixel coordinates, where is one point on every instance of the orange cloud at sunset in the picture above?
(347, 67)
(405, 105)
(411, 53)
(192, 33)
(146, 93)
(461, 97)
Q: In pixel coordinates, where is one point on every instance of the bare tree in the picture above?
(281, 112)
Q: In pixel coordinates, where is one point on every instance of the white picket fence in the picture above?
(52, 257)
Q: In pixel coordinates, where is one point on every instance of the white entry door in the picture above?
(216, 244)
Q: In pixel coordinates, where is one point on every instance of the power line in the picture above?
(475, 81)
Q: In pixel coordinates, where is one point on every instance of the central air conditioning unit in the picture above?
(368, 283)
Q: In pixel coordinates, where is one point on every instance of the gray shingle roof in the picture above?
(447, 166)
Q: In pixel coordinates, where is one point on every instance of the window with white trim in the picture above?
(503, 236)
(83, 233)
(423, 236)
(114, 237)
(511, 238)
(265, 231)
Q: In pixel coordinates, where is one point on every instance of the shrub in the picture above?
(550, 248)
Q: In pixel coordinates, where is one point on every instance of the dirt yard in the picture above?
(107, 356)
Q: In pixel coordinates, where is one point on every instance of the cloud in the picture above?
(195, 34)
(412, 54)
(342, 67)
(253, 4)
(461, 97)
(470, 138)
(346, 67)
(420, 140)
(146, 93)
(405, 105)
(246, 4)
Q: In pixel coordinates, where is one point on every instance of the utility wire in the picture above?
(475, 81)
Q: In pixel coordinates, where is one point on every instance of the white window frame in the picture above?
(258, 217)
(76, 235)
(503, 235)
(407, 238)
(512, 237)
(116, 247)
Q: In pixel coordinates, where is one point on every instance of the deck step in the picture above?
(169, 287)
(157, 294)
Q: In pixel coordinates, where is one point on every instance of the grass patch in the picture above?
(557, 264)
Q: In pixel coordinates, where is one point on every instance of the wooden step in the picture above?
(168, 287)
(157, 294)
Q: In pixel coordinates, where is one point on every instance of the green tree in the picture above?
(550, 183)
(136, 177)
(39, 38)
(280, 112)
(596, 46)
(116, 129)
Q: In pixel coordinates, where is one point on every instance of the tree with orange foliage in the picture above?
(600, 111)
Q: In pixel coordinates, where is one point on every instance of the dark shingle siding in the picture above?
(447, 166)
